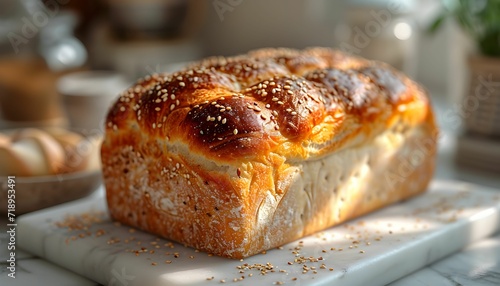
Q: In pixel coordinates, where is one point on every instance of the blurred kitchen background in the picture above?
(63, 61)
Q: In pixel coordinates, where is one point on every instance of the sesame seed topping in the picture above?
(182, 84)
(235, 131)
(172, 106)
(224, 121)
(157, 109)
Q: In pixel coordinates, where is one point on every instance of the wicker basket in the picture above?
(481, 106)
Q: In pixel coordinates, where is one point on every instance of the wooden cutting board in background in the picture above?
(372, 250)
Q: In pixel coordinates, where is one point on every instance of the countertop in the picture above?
(478, 264)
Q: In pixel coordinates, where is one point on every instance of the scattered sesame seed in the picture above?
(235, 131)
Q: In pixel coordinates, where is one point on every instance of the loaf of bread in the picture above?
(28, 152)
(238, 155)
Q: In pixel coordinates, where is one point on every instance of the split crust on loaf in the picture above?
(237, 155)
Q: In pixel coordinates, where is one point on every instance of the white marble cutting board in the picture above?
(373, 250)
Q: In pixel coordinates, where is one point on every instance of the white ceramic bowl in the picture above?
(88, 95)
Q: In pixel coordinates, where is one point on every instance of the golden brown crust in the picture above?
(206, 155)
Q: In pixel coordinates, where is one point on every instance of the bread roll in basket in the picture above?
(237, 155)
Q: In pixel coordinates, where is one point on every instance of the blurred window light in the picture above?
(66, 54)
(402, 31)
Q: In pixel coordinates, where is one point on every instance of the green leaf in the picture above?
(437, 23)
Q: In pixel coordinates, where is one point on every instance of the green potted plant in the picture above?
(479, 146)
(481, 20)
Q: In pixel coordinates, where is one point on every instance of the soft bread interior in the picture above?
(347, 184)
